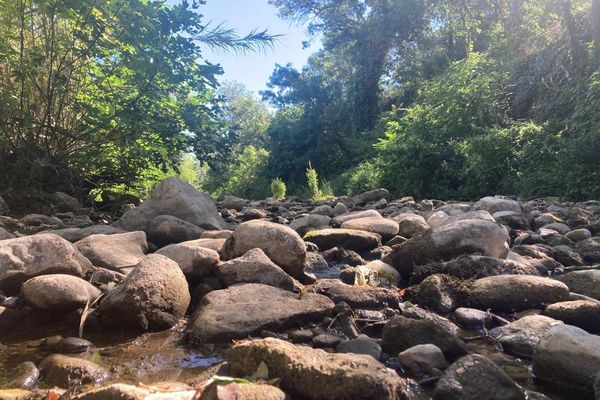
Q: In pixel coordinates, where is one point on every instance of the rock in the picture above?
(402, 333)
(115, 252)
(475, 377)
(242, 391)
(383, 270)
(439, 219)
(280, 243)
(339, 209)
(117, 391)
(212, 244)
(516, 292)
(337, 221)
(496, 204)
(361, 345)
(243, 310)
(439, 293)
(154, 296)
(309, 222)
(566, 256)
(176, 198)
(423, 360)
(472, 318)
(386, 228)
(585, 282)
(315, 263)
(584, 314)
(58, 292)
(234, 203)
(314, 374)
(370, 196)
(76, 234)
(511, 219)
(446, 242)
(357, 296)
(25, 376)
(558, 227)
(3, 206)
(410, 225)
(521, 337)
(65, 372)
(578, 235)
(4, 234)
(26, 257)
(589, 249)
(568, 357)
(15, 394)
(62, 202)
(325, 209)
(193, 260)
(167, 229)
(253, 267)
(346, 238)
(32, 220)
(325, 340)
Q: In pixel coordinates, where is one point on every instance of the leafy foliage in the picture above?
(312, 183)
(278, 188)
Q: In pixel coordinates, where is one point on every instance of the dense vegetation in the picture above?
(431, 98)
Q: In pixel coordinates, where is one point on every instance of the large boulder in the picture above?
(584, 314)
(76, 234)
(440, 218)
(314, 374)
(448, 241)
(370, 196)
(167, 229)
(386, 228)
(242, 310)
(26, 257)
(194, 260)
(585, 282)
(410, 225)
(280, 243)
(253, 267)
(58, 292)
(176, 198)
(357, 296)
(350, 239)
(474, 377)
(516, 292)
(568, 357)
(115, 252)
(337, 221)
(154, 296)
(496, 204)
(521, 337)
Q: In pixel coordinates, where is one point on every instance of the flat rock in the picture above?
(280, 243)
(26, 257)
(585, 282)
(357, 296)
(58, 292)
(242, 391)
(76, 234)
(584, 314)
(449, 241)
(475, 377)
(496, 204)
(154, 296)
(338, 220)
(350, 239)
(314, 374)
(177, 198)
(521, 337)
(386, 228)
(66, 372)
(243, 310)
(193, 259)
(253, 267)
(115, 252)
(516, 292)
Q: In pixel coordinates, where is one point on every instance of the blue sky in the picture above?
(254, 69)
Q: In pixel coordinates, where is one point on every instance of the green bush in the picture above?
(365, 176)
(246, 175)
(312, 183)
(278, 188)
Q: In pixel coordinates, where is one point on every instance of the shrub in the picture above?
(312, 182)
(278, 188)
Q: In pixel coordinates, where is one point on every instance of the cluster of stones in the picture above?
(353, 298)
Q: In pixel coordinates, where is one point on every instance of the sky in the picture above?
(254, 69)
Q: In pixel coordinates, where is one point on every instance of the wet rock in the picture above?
(176, 198)
(58, 292)
(386, 228)
(585, 282)
(361, 345)
(521, 337)
(423, 360)
(73, 345)
(26, 257)
(25, 376)
(383, 270)
(496, 204)
(117, 391)
(242, 391)
(253, 267)
(410, 225)
(350, 239)
(242, 310)
(154, 296)
(193, 259)
(402, 333)
(65, 372)
(475, 377)
(568, 357)
(357, 296)
(516, 292)
(280, 243)
(581, 313)
(115, 252)
(337, 221)
(449, 241)
(314, 374)
(167, 229)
